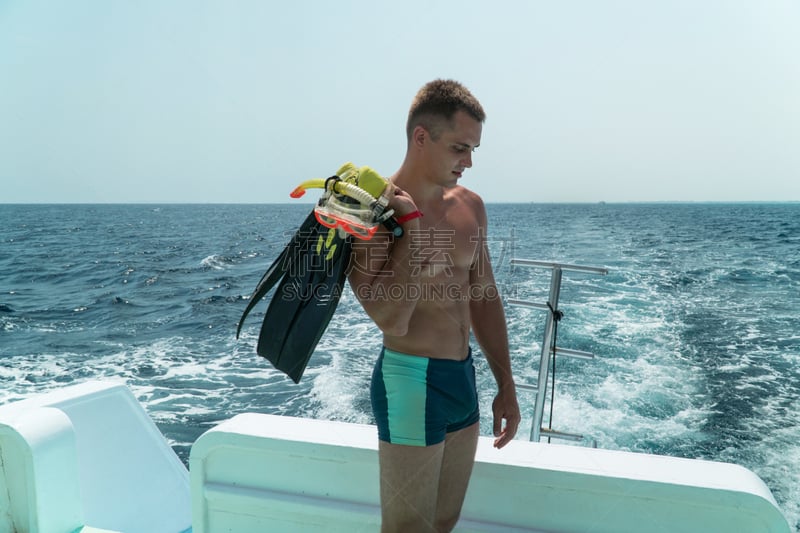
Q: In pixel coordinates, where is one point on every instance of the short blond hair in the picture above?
(436, 103)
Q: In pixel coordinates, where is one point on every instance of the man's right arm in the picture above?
(384, 279)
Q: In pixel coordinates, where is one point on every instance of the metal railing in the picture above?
(547, 353)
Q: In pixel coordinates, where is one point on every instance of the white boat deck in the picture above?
(88, 459)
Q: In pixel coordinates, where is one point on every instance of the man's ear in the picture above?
(419, 136)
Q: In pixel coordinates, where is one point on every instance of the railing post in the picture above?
(544, 361)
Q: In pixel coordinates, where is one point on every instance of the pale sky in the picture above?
(238, 101)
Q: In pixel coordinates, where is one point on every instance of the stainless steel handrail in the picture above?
(547, 351)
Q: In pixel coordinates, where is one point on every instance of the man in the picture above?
(425, 291)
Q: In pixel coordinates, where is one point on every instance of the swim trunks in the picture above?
(418, 400)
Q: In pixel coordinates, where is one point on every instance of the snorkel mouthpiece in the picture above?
(347, 171)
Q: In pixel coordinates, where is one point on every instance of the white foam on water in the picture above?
(635, 392)
(215, 262)
(351, 345)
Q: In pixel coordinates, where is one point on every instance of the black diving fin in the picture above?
(311, 270)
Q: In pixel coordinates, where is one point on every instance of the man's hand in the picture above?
(505, 407)
(399, 200)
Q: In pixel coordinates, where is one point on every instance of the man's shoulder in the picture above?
(463, 194)
(468, 204)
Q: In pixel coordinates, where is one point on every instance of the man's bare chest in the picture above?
(445, 248)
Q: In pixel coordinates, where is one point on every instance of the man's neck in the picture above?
(415, 181)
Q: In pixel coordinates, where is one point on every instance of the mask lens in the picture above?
(325, 220)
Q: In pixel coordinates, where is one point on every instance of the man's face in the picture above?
(451, 153)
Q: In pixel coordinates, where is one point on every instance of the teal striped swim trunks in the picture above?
(418, 400)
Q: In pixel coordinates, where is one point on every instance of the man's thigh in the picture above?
(457, 461)
(409, 485)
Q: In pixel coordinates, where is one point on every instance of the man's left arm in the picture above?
(488, 322)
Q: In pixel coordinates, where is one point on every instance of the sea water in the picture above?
(695, 328)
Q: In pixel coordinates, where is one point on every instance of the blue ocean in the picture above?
(695, 328)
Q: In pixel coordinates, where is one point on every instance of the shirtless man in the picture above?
(425, 291)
